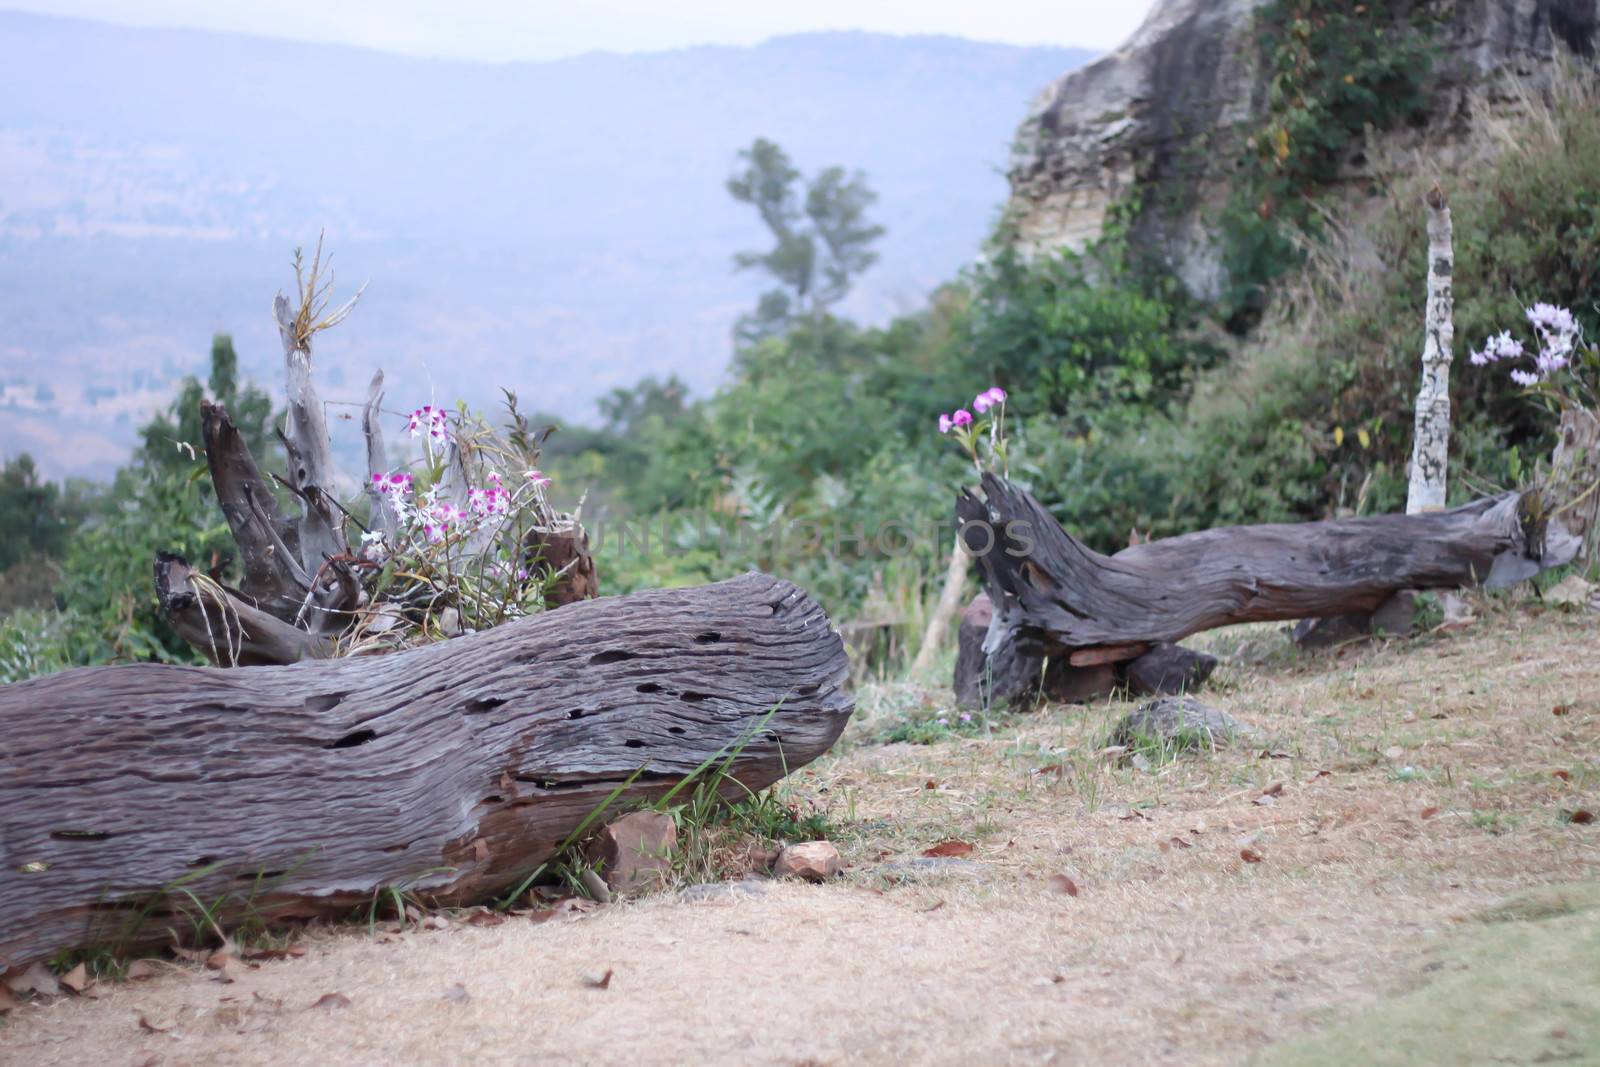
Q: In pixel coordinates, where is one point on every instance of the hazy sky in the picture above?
(541, 29)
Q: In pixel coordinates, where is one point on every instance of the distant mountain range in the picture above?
(558, 227)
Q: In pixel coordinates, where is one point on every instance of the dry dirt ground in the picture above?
(1418, 891)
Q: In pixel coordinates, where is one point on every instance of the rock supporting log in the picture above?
(451, 771)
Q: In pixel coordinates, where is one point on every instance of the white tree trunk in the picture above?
(1431, 450)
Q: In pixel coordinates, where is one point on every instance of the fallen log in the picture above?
(1053, 596)
(130, 794)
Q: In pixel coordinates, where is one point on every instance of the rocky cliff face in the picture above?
(1168, 114)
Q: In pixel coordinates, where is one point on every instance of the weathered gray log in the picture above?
(451, 771)
(1053, 595)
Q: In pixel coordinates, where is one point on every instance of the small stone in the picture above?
(815, 861)
(1168, 670)
(634, 853)
(1178, 723)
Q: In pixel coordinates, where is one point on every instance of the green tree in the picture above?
(822, 239)
(172, 439)
(32, 517)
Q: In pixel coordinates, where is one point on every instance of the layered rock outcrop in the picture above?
(1167, 115)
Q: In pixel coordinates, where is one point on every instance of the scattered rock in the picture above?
(634, 853)
(815, 861)
(1179, 723)
(1168, 670)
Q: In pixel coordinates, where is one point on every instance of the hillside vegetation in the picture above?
(1133, 408)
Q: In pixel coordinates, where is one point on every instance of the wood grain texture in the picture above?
(452, 770)
(1052, 594)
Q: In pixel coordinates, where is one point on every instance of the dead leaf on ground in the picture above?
(146, 1059)
(1563, 775)
(1057, 769)
(933, 907)
(599, 981)
(1428, 813)
(1250, 855)
(1274, 753)
(485, 917)
(1060, 883)
(1179, 842)
(139, 970)
(7, 1001)
(76, 979)
(930, 784)
(331, 1001)
(951, 848)
(152, 1027)
(457, 994)
(1561, 709)
(1273, 790)
(1582, 817)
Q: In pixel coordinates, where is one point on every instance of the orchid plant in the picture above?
(1563, 369)
(449, 532)
(1563, 373)
(981, 436)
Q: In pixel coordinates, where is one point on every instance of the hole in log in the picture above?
(79, 835)
(633, 742)
(575, 713)
(710, 637)
(614, 655)
(675, 730)
(648, 687)
(493, 798)
(693, 698)
(323, 701)
(773, 735)
(351, 740)
(259, 877)
(808, 690)
(479, 705)
(203, 861)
